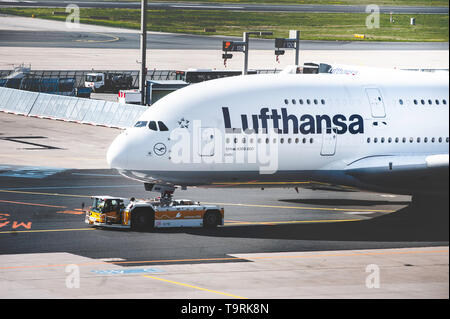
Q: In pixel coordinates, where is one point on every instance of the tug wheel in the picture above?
(212, 219)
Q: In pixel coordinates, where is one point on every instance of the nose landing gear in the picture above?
(165, 190)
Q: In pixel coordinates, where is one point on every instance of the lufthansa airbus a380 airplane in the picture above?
(386, 132)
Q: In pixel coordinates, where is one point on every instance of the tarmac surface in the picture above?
(275, 243)
(228, 6)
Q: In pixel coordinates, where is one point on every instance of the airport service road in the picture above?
(228, 6)
(172, 41)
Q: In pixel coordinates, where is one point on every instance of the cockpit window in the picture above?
(162, 126)
(140, 124)
(152, 126)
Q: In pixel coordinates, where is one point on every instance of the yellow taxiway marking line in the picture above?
(233, 223)
(277, 183)
(195, 287)
(30, 204)
(307, 208)
(46, 194)
(269, 183)
(43, 230)
(229, 204)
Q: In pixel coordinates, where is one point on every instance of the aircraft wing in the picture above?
(408, 173)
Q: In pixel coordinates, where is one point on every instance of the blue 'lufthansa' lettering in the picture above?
(306, 124)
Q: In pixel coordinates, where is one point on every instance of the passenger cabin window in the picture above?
(152, 126)
(140, 124)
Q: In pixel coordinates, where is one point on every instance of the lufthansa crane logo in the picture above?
(159, 149)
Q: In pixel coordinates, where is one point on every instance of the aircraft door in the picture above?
(376, 102)
(329, 140)
(206, 141)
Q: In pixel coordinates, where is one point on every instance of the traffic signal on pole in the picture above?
(279, 42)
(235, 46)
(227, 45)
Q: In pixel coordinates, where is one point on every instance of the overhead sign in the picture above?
(285, 43)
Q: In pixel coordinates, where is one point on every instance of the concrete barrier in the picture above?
(67, 108)
(52, 106)
(16, 101)
(95, 111)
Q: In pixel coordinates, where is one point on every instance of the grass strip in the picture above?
(313, 26)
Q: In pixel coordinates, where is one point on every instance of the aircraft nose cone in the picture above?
(117, 154)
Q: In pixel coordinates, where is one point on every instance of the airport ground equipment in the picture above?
(108, 82)
(83, 92)
(129, 96)
(116, 212)
(157, 89)
(199, 75)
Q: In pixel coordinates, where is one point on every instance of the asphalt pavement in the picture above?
(172, 41)
(41, 205)
(231, 6)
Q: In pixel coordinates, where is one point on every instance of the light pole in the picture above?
(245, 38)
(143, 72)
(295, 34)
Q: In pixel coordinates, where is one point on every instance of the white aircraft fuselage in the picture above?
(385, 132)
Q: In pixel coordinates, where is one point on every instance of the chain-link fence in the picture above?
(79, 75)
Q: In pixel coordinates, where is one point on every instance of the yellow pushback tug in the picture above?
(117, 212)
